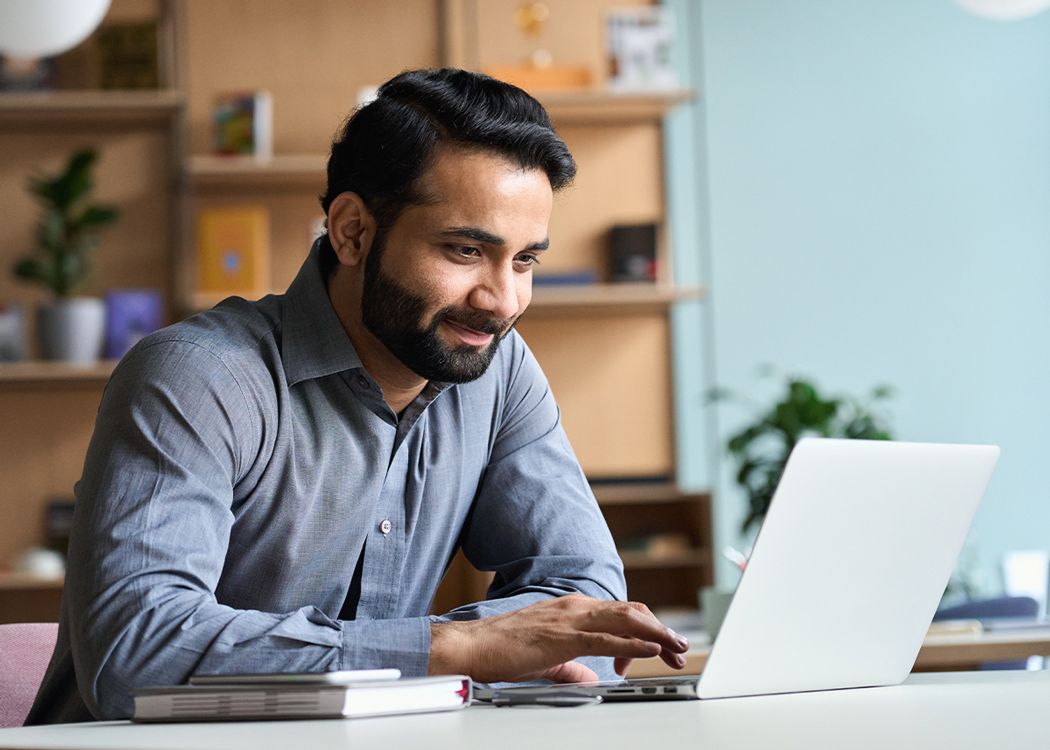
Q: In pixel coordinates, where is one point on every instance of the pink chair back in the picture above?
(25, 650)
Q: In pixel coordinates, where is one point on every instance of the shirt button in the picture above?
(363, 381)
(385, 527)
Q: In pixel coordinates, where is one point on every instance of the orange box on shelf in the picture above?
(532, 78)
(233, 250)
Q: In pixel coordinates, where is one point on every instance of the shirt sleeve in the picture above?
(535, 522)
(152, 524)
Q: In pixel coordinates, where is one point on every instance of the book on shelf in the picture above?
(233, 250)
(313, 696)
(244, 124)
(566, 278)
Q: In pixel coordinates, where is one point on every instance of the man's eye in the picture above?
(466, 251)
(528, 260)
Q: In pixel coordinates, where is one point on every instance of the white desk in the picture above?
(957, 710)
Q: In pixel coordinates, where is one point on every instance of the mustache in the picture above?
(476, 321)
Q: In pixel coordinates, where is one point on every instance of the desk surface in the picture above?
(958, 710)
(939, 652)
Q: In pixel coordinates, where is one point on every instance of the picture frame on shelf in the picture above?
(639, 43)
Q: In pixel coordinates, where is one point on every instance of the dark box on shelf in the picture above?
(58, 522)
(632, 252)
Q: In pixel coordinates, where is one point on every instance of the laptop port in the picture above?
(649, 691)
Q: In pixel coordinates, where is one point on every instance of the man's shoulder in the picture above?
(235, 335)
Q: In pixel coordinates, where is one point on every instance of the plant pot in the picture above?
(72, 330)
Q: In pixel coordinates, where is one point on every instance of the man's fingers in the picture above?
(605, 644)
(675, 661)
(633, 620)
(621, 665)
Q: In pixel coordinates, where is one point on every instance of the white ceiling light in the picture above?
(41, 28)
(1005, 10)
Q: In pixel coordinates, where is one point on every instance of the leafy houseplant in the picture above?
(761, 449)
(67, 236)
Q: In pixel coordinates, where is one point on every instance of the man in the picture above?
(279, 485)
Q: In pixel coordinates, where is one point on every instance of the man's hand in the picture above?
(541, 641)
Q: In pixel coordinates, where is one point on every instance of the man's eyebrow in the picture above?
(476, 234)
(480, 235)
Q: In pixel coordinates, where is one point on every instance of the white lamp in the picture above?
(31, 29)
(1005, 10)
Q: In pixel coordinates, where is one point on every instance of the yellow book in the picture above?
(233, 250)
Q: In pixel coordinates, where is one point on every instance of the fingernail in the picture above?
(683, 642)
(681, 660)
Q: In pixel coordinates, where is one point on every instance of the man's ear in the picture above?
(351, 228)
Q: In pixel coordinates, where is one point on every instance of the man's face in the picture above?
(445, 283)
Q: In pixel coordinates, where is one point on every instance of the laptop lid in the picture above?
(849, 566)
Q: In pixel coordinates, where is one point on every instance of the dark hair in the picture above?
(385, 146)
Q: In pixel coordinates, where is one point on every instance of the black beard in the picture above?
(394, 315)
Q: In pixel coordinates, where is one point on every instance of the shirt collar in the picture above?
(314, 342)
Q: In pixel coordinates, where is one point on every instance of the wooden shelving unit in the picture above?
(583, 332)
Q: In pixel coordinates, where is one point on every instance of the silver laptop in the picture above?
(846, 574)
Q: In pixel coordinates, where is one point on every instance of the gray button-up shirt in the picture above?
(242, 464)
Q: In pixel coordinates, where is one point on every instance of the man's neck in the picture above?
(400, 385)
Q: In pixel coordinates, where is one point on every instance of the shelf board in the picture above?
(696, 558)
(607, 299)
(56, 372)
(12, 581)
(630, 493)
(80, 107)
(604, 107)
(292, 170)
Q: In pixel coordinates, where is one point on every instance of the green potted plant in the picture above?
(70, 328)
(761, 449)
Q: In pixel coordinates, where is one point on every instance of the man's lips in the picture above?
(469, 335)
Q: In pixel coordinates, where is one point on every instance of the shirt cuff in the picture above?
(384, 644)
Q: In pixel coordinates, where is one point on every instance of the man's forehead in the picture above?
(454, 170)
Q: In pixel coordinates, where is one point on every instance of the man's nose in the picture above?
(497, 293)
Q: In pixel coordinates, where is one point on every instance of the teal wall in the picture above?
(879, 212)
